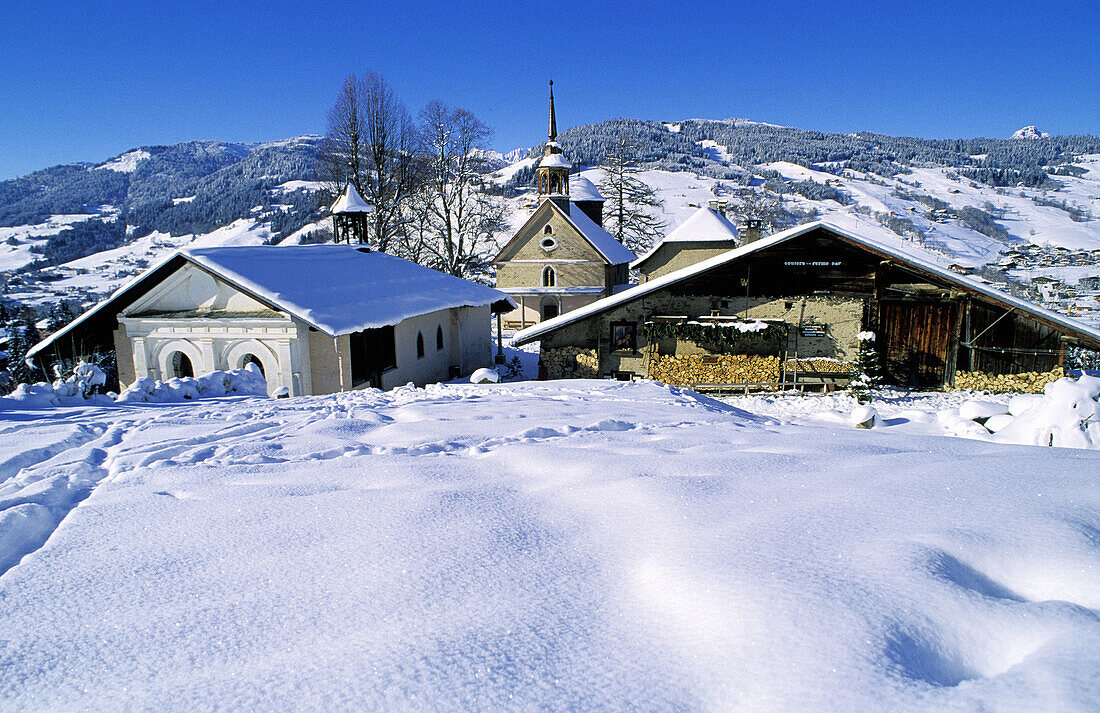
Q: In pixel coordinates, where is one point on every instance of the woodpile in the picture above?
(714, 369)
(1031, 382)
(825, 366)
(570, 363)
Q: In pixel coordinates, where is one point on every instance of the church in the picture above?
(561, 259)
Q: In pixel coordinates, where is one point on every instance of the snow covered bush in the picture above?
(1067, 414)
(484, 376)
(80, 389)
(246, 381)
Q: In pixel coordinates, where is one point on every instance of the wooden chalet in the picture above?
(823, 287)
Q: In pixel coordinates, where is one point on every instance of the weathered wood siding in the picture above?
(915, 340)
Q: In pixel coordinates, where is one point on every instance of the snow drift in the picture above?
(569, 545)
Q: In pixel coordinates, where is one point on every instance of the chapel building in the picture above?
(561, 258)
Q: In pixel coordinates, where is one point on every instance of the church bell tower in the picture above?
(553, 170)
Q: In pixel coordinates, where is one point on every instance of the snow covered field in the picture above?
(570, 545)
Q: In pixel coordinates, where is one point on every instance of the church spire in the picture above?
(553, 169)
(553, 119)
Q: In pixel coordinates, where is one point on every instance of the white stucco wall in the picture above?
(467, 344)
(218, 344)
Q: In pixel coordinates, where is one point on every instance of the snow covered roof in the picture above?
(582, 189)
(704, 225)
(351, 202)
(533, 333)
(612, 250)
(555, 161)
(337, 289)
(340, 289)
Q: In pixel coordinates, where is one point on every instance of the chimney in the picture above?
(750, 231)
(718, 205)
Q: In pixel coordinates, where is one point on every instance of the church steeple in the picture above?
(553, 170)
(553, 119)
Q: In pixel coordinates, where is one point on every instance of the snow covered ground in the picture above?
(570, 545)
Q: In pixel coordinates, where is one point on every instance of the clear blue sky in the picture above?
(84, 81)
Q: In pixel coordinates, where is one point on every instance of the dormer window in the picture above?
(549, 277)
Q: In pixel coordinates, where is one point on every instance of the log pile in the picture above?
(827, 366)
(570, 363)
(1031, 382)
(714, 369)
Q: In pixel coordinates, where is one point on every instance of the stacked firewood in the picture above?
(1031, 382)
(715, 369)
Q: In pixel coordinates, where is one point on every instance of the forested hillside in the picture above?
(189, 188)
(681, 146)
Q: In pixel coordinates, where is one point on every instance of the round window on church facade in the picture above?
(548, 244)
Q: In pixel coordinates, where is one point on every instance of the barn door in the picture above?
(917, 339)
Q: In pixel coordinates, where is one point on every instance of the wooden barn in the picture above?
(798, 303)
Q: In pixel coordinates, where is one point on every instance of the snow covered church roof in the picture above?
(337, 289)
(612, 250)
(351, 202)
(704, 225)
(555, 160)
(887, 251)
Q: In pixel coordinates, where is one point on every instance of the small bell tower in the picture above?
(349, 216)
(553, 170)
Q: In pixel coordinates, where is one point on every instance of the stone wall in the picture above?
(570, 363)
(1029, 383)
(716, 369)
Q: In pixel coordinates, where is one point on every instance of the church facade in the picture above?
(561, 259)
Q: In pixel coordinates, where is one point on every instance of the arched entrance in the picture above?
(240, 354)
(179, 359)
(181, 366)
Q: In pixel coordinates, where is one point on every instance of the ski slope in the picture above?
(570, 545)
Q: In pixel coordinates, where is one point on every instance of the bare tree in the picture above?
(631, 205)
(371, 143)
(459, 220)
(762, 205)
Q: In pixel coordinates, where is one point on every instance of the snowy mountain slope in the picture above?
(1029, 132)
(207, 192)
(570, 545)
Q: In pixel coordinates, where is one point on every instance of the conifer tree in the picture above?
(21, 337)
(631, 205)
(870, 374)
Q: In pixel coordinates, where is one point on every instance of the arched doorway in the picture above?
(251, 358)
(237, 355)
(178, 359)
(181, 365)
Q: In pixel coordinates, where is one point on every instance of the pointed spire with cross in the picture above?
(553, 169)
(553, 119)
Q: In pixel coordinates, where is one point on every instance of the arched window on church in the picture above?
(548, 230)
(549, 277)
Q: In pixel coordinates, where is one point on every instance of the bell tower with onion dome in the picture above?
(553, 170)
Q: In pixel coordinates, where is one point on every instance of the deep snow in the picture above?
(571, 545)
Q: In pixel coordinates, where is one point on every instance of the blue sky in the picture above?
(84, 81)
